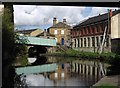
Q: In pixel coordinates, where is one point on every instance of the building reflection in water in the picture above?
(69, 73)
(87, 71)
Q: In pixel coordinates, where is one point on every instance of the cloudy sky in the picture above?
(42, 16)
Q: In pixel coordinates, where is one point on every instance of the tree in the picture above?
(10, 50)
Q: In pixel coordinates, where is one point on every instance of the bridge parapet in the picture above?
(37, 41)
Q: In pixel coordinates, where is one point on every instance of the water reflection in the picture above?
(68, 73)
(40, 60)
(31, 60)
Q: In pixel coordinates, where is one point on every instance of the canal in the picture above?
(60, 71)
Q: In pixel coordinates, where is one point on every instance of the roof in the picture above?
(60, 25)
(97, 18)
(26, 31)
(47, 34)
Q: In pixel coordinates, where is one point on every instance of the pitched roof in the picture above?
(97, 18)
(26, 31)
(47, 34)
(60, 25)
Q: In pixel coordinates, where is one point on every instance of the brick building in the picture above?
(88, 35)
(61, 32)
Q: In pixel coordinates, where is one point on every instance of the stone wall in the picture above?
(96, 50)
(59, 36)
(51, 49)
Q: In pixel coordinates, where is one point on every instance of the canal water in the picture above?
(60, 71)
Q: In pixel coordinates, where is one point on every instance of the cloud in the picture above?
(100, 10)
(34, 15)
(40, 15)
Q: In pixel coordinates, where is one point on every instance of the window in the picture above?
(97, 41)
(78, 42)
(55, 32)
(93, 29)
(62, 74)
(85, 30)
(81, 32)
(93, 41)
(88, 29)
(75, 42)
(101, 39)
(85, 42)
(81, 42)
(56, 75)
(88, 42)
(62, 31)
(56, 39)
(97, 27)
(101, 27)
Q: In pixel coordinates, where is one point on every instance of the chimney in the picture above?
(54, 21)
(64, 21)
(110, 13)
(44, 32)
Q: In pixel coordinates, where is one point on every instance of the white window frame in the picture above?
(55, 31)
(62, 31)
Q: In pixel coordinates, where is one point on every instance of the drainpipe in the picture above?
(108, 20)
(105, 34)
(71, 38)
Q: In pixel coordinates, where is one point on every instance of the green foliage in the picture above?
(11, 50)
(22, 55)
(106, 86)
(104, 57)
(7, 35)
(90, 53)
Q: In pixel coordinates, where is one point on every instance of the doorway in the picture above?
(62, 41)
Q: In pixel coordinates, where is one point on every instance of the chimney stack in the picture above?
(110, 12)
(44, 32)
(64, 21)
(54, 21)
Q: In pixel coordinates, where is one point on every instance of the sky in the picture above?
(38, 16)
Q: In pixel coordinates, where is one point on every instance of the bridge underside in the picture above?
(62, 3)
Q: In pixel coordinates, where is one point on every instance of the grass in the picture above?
(103, 57)
(106, 86)
(90, 53)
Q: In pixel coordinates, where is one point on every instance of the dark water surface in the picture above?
(69, 72)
